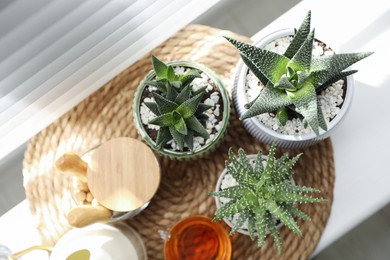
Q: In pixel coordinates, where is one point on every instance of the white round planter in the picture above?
(103, 242)
(267, 135)
(218, 202)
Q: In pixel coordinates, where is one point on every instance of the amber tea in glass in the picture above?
(197, 238)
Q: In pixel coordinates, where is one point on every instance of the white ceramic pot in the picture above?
(267, 135)
(103, 242)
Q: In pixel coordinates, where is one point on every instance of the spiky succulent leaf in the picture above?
(274, 232)
(188, 108)
(194, 124)
(164, 105)
(188, 76)
(271, 64)
(269, 100)
(160, 68)
(202, 108)
(296, 212)
(171, 74)
(305, 102)
(259, 164)
(179, 138)
(334, 79)
(302, 59)
(153, 107)
(324, 68)
(261, 225)
(183, 96)
(163, 136)
(163, 120)
(239, 223)
(263, 79)
(158, 84)
(299, 37)
(284, 216)
(263, 194)
(282, 115)
(181, 126)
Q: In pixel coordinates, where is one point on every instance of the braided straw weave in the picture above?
(184, 186)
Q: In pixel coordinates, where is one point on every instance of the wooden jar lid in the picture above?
(123, 174)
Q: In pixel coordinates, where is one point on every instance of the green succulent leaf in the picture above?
(202, 108)
(251, 225)
(158, 84)
(293, 197)
(321, 119)
(188, 76)
(200, 90)
(263, 79)
(188, 108)
(274, 232)
(299, 37)
(261, 225)
(189, 139)
(285, 84)
(296, 212)
(233, 207)
(164, 105)
(153, 107)
(334, 79)
(194, 124)
(284, 216)
(239, 223)
(271, 64)
(163, 136)
(324, 68)
(171, 74)
(163, 120)
(282, 115)
(184, 95)
(259, 164)
(302, 58)
(179, 138)
(181, 126)
(231, 192)
(270, 99)
(171, 93)
(160, 68)
(305, 102)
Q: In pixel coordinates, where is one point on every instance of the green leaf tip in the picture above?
(297, 68)
(263, 194)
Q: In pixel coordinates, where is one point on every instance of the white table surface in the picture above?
(361, 143)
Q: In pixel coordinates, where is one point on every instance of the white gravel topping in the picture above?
(330, 99)
(211, 123)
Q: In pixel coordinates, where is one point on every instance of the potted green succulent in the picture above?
(256, 194)
(181, 109)
(291, 87)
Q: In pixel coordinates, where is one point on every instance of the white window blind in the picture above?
(53, 54)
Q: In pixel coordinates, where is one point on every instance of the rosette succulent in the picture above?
(263, 195)
(292, 80)
(179, 111)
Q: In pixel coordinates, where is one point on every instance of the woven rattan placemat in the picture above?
(183, 190)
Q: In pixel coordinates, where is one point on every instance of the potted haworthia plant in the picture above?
(293, 88)
(256, 194)
(181, 109)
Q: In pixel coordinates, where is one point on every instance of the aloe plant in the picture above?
(179, 110)
(264, 193)
(293, 80)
